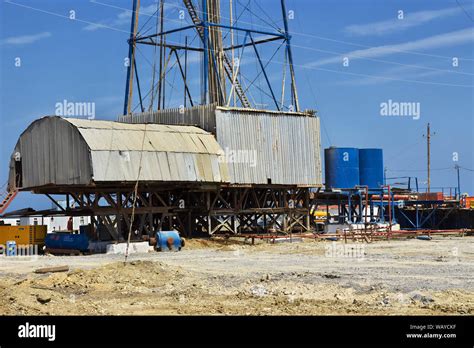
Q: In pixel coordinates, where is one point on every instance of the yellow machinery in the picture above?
(320, 217)
(23, 235)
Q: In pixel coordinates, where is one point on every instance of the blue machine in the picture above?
(67, 241)
(168, 241)
(371, 168)
(341, 167)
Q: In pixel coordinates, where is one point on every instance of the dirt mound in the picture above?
(63, 291)
(215, 277)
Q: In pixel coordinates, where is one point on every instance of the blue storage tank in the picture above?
(371, 167)
(168, 241)
(67, 241)
(341, 167)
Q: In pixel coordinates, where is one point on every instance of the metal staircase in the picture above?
(227, 61)
(6, 197)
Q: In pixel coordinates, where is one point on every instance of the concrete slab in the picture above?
(98, 247)
(120, 248)
(288, 240)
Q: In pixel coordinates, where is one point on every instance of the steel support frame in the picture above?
(425, 214)
(208, 57)
(225, 210)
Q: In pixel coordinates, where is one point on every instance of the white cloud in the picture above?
(443, 40)
(392, 25)
(393, 75)
(25, 39)
(124, 18)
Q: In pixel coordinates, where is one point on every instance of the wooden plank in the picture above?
(52, 269)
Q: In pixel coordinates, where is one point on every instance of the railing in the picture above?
(449, 192)
(6, 197)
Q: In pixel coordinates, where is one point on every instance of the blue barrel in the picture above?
(371, 167)
(341, 167)
(168, 241)
(67, 241)
(11, 248)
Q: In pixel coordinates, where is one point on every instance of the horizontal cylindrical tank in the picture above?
(168, 241)
(67, 241)
(341, 167)
(371, 167)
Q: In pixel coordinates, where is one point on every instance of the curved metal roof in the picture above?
(65, 151)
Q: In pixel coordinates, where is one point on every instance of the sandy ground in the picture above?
(230, 277)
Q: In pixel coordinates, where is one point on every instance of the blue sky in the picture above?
(403, 60)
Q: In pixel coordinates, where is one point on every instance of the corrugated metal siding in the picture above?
(52, 152)
(170, 153)
(287, 144)
(287, 147)
(202, 116)
(156, 166)
(75, 151)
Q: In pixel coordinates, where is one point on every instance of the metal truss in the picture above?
(228, 210)
(217, 65)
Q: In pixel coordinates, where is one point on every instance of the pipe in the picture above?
(389, 207)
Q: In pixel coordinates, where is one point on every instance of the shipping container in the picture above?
(469, 202)
(67, 241)
(430, 196)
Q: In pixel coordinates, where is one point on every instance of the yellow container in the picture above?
(470, 202)
(23, 235)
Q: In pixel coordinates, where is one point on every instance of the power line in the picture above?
(302, 66)
(418, 170)
(464, 10)
(382, 60)
(383, 77)
(66, 17)
(322, 69)
(314, 36)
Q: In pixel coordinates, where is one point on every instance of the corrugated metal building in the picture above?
(285, 145)
(65, 151)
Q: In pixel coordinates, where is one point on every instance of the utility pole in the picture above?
(428, 144)
(459, 182)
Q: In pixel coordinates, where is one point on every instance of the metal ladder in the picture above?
(227, 62)
(6, 198)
